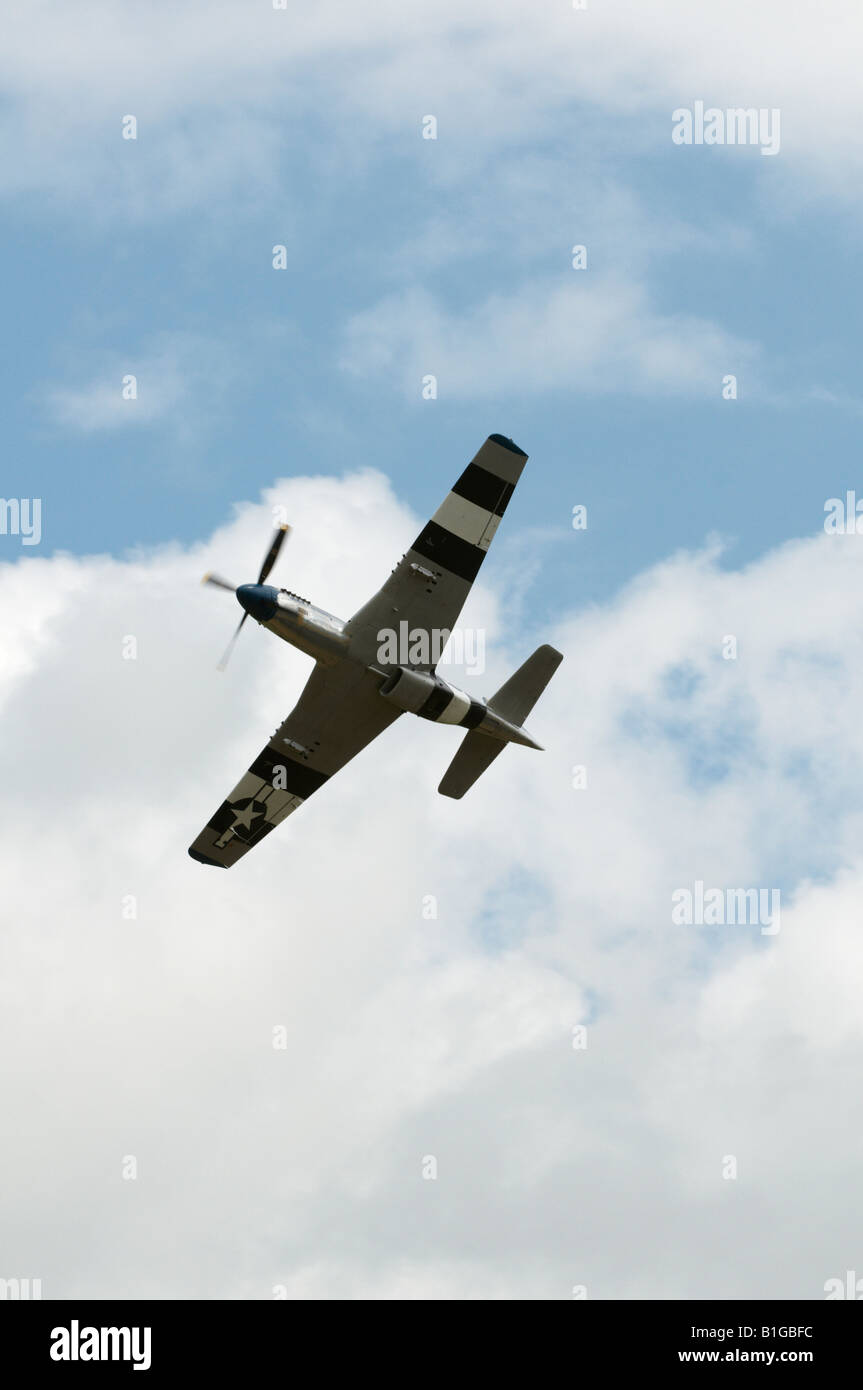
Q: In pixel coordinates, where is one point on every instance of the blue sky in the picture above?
(246, 365)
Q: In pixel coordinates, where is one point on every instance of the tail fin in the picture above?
(513, 702)
(517, 696)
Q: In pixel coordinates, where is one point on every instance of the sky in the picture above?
(413, 1048)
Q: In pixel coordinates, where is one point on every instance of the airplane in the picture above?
(356, 689)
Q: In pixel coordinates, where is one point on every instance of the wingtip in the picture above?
(453, 796)
(506, 443)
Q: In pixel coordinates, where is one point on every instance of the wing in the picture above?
(338, 713)
(429, 585)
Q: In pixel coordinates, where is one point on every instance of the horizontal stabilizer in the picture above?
(517, 696)
(476, 753)
(502, 724)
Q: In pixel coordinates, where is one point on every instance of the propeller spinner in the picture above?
(245, 592)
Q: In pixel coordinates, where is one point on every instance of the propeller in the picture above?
(218, 582)
(230, 647)
(272, 554)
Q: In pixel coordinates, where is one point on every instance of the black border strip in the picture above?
(300, 779)
(484, 489)
(450, 552)
(474, 716)
(437, 703)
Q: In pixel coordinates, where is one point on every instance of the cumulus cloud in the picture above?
(71, 78)
(576, 335)
(177, 379)
(410, 1037)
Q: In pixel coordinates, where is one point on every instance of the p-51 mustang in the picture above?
(353, 694)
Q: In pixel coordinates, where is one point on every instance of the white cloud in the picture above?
(503, 74)
(583, 334)
(179, 378)
(449, 1037)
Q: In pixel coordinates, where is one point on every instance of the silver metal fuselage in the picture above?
(314, 631)
(322, 636)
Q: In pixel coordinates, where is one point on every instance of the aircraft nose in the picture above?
(259, 601)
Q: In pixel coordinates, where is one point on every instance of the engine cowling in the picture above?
(426, 695)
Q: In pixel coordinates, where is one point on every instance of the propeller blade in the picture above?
(273, 553)
(230, 647)
(219, 582)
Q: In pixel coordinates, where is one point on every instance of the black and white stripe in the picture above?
(256, 805)
(446, 705)
(461, 530)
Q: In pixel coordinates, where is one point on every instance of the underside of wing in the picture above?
(428, 587)
(337, 715)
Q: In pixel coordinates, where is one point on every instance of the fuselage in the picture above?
(322, 636)
(314, 631)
